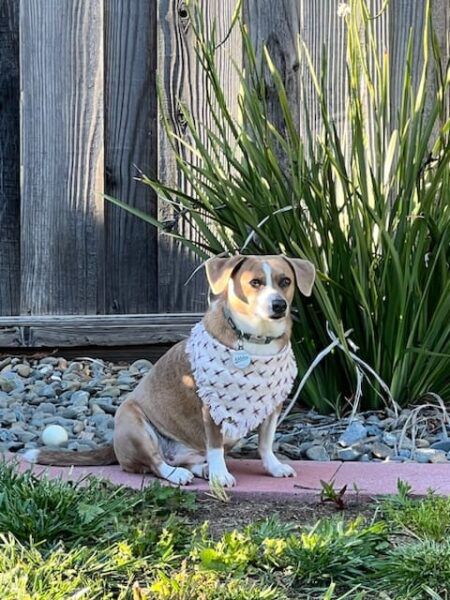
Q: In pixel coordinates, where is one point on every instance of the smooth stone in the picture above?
(26, 436)
(78, 427)
(439, 457)
(125, 380)
(7, 385)
(4, 362)
(69, 413)
(421, 443)
(107, 406)
(55, 420)
(424, 455)
(24, 370)
(62, 364)
(364, 458)
(390, 439)
(373, 419)
(49, 360)
(347, 454)
(318, 453)
(7, 435)
(48, 391)
(45, 370)
(374, 430)
(114, 391)
(404, 453)
(96, 410)
(47, 407)
(80, 398)
(406, 442)
(7, 417)
(381, 450)
(82, 446)
(444, 446)
(355, 432)
(141, 364)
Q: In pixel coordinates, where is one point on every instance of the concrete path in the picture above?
(364, 479)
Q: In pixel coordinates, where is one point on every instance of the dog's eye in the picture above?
(285, 282)
(256, 283)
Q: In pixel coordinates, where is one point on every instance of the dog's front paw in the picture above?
(278, 469)
(222, 478)
(180, 476)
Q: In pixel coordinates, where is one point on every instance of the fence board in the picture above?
(62, 150)
(130, 141)
(276, 26)
(9, 159)
(182, 79)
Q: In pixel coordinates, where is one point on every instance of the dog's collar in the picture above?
(249, 337)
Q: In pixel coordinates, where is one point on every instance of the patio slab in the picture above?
(363, 479)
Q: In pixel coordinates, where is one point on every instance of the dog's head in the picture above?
(260, 288)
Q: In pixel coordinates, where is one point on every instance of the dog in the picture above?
(230, 376)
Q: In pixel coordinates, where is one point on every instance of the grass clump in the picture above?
(332, 550)
(410, 571)
(425, 518)
(46, 509)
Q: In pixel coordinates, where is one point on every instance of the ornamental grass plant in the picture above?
(370, 209)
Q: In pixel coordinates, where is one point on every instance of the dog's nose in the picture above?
(279, 306)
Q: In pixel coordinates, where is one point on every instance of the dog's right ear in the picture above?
(219, 271)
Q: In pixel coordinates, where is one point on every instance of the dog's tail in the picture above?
(66, 458)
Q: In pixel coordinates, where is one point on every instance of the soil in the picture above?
(237, 512)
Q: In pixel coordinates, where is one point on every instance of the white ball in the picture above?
(54, 435)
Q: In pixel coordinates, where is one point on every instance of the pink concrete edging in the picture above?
(362, 479)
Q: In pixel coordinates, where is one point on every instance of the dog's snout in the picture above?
(279, 306)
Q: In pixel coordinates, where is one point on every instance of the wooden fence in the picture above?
(78, 114)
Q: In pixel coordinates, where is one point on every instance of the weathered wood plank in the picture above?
(62, 151)
(93, 330)
(182, 79)
(9, 159)
(130, 144)
(276, 25)
(323, 30)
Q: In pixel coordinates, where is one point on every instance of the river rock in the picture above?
(354, 433)
(381, 450)
(318, 453)
(347, 454)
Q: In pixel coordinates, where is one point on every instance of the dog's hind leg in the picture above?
(178, 454)
(137, 446)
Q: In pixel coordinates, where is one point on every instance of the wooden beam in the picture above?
(9, 159)
(94, 330)
(61, 66)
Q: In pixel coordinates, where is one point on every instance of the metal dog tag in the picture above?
(241, 359)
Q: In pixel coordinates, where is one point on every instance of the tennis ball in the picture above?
(54, 435)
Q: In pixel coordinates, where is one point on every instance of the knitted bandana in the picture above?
(238, 399)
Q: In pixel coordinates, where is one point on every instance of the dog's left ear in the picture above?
(305, 273)
(219, 271)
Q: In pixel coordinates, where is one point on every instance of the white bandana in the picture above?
(238, 399)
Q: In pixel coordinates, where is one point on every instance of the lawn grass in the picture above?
(62, 541)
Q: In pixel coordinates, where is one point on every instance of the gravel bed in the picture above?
(83, 395)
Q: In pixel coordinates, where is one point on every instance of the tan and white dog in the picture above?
(179, 421)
